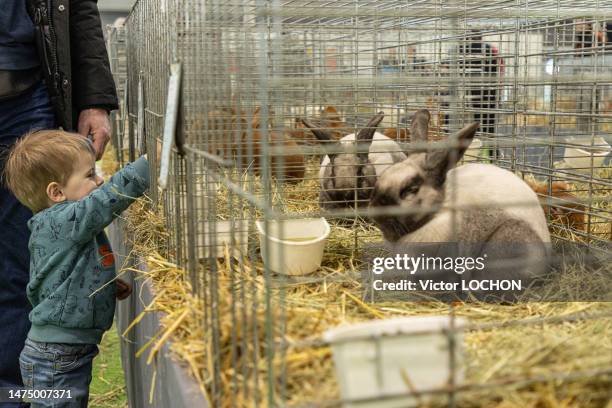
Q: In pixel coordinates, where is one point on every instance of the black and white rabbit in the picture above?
(480, 205)
(347, 176)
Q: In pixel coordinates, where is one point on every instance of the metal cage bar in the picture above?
(536, 75)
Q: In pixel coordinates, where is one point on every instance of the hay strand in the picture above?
(332, 296)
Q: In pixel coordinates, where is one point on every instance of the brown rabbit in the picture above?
(229, 137)
(565, 208)
(224, 131)
(403, 135)
(292, 164)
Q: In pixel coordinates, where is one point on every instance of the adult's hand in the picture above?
(95, 122)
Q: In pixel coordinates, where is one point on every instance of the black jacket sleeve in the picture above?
(92, 81)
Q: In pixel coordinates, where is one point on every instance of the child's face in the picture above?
(83, 180)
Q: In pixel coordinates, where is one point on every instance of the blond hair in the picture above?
(41, 158)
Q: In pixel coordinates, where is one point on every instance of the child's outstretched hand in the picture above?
(124, 289)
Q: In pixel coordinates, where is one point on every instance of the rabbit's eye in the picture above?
(411, 188)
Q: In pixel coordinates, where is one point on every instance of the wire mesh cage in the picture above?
(289, 114)
(116, 46)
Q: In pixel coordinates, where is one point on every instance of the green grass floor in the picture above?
(107, 388)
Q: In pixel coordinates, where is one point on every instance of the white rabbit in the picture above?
(348, 176)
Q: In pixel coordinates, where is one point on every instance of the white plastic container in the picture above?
(295, 246)
(213, 242)
(580, 159)
(394, 356)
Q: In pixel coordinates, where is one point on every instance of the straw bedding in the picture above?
(302, 311)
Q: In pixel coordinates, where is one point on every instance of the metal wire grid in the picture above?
(510, 104)
(149, 50)
(118, 61)
(291, 60)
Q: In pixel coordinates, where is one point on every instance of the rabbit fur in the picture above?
(230, 138)
(470, 204)
(350, 172)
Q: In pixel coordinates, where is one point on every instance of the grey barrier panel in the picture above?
(174, 387)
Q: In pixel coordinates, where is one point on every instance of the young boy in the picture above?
(71, 264)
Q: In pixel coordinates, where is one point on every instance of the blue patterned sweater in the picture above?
(71, 260)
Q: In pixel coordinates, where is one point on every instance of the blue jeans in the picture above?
(17, 116)
(57, 366)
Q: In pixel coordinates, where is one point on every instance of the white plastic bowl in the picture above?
(213, 242)
(580, 159)
(375, 359)
(295, 246)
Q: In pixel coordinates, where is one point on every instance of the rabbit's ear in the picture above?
(420, 125)
(439, 162)
(367, 133)
(466, 135)
(322, 135)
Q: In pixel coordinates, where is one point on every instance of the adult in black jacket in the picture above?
(76, 68)
(66, 83)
